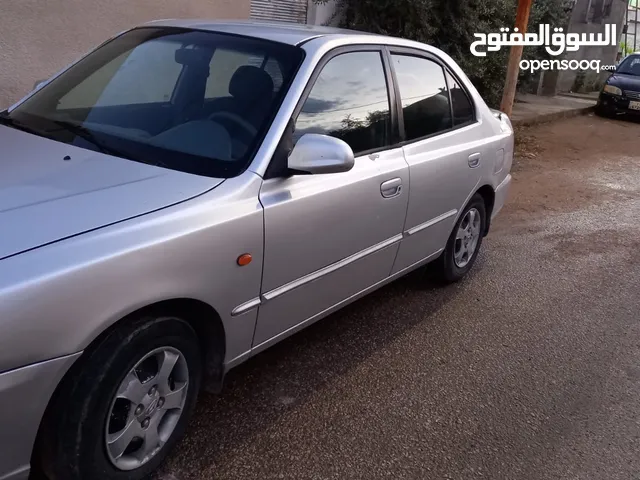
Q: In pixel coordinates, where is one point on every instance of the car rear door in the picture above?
(329, 237)
(444, 147)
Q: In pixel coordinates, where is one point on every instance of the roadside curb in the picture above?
(582, 96)
(553, 117)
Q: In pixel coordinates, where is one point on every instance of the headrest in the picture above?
(250, 83)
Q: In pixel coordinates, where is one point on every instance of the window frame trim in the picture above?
(466, 92)
(413, 52)
(391, 95)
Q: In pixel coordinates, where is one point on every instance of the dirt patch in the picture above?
(599, 242)
(527, 147)
(554, 164)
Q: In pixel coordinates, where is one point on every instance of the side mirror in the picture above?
(316, 154)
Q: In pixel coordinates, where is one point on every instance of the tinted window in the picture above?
(122, 81)
(194, 101)
(462, 109)
(225, 63)
(349, 100)
(424, 95)
(272, 67)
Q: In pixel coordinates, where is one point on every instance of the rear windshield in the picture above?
(194, 101)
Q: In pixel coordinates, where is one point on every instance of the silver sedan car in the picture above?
(190, 193)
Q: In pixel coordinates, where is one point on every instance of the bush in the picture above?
(449, 25)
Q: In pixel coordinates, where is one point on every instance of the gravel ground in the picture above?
(528, 369)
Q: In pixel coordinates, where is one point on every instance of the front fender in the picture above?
(57, 299)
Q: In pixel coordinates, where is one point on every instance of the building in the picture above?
(631, 36)
(588, 16)
(39, 37)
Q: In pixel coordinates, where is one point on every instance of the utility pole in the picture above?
(509, 94)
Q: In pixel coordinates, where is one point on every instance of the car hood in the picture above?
(625, 82)
(44, 198)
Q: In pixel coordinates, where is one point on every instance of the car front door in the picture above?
(444, 145)
(330, 237)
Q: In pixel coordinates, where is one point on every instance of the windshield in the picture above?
(193, 101)
(630, 66)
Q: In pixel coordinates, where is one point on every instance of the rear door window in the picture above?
(424, 95)
(462, 107)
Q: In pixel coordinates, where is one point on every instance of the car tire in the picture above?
(451, 266)
(601, 112)
(94, 413)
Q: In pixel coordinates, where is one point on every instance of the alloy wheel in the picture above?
(467, 238)
(146, 408)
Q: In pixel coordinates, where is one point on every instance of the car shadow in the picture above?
(285, 376)
(625, 117)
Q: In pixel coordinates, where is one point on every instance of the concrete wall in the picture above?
(596, 25)
(321, 14)
(39, 37)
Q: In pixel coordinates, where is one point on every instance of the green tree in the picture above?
(625, 49)
(449, 25)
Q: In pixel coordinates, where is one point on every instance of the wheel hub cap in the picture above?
(146, 408)
(153, 406)
(467, 238)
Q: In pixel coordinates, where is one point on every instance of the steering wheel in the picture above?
(241, 122)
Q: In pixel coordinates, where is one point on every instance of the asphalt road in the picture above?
(528, 369)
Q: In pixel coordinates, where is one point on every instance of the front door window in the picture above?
(349, 101)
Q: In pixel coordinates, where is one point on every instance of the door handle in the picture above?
(474, 160)
(391, 188)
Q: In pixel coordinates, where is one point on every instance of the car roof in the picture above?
(289, 33)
